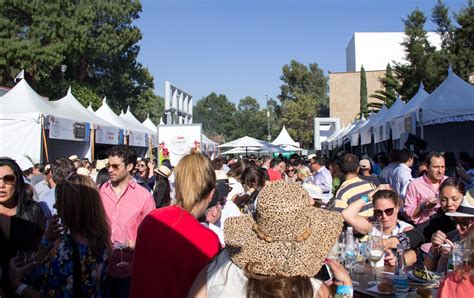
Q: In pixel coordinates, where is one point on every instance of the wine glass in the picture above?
(121, 245)
(374, 254)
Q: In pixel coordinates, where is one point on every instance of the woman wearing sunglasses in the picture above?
(22, 222)
(386, 204)
(442, 244)
(72, 260)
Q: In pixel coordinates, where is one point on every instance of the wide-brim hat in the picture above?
(466, 209)
(101, 163)
(74, 158)
(163, 171)
(289, 236)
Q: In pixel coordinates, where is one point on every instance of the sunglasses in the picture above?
(388, 212)
(68, 182)
(9, 179)
(142, 165)
(463, 222)
(115, 167)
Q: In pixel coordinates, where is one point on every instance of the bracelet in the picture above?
(21, 288)
(365, 198)
(344, 290)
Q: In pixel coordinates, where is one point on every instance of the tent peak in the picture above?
(450, 69)
(104, 100)
(128, 109)
(69, 91)
(421, 86)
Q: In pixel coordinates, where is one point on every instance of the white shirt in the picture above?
(225, 279)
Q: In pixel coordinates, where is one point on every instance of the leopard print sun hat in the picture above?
(289, 237)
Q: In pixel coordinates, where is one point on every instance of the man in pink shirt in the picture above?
(421, 199)
(126, 204)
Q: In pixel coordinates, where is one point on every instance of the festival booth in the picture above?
(447, 116)
(404, 122)
(136, 137)
(22, 134)
(284, 139)
(209, 147)
(175, 141)
(133, 121)
(253, 145)
(73, 120)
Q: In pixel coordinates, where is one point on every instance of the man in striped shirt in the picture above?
(353, 187)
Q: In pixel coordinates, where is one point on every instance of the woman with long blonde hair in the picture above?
(73, 254)
(172, 246)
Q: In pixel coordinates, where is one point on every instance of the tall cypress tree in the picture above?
(363, 92)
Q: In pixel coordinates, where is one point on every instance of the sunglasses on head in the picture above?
(9, 179)
(388, 212)
(72, 174)
(463, 222)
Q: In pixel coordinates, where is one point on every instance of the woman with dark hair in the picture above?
(102, 177)
(235, 181)
(72, 258)
(143, 172)
(22, 222)
(253, 181)
(422, 233)
(336, 174)
(162, 189)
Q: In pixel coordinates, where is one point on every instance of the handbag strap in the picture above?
(77, 280)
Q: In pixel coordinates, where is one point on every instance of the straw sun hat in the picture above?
(289, 237)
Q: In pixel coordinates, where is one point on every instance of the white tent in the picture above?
(21, 112)
(70, 108)
(383, 124)
(405, 120)
(452, 101)
(137, 136)
(149, 124)
(284, 138)
(244, 142)
(369, 128)
(130, 118)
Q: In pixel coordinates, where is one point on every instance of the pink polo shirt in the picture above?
(125, 215)
(418, 191)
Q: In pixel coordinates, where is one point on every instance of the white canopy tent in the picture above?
(249, 142)
(22, 112)
(452, 101)
(137, 135)
(382, 127)
(284, 138)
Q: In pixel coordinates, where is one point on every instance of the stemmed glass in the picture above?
(374, 254)
(121, 246)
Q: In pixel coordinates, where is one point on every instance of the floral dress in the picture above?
(54, 277)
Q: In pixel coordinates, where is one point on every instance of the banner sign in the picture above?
(66, 129)
(107, 135)
(366, 136)
(355, 139)
(139, 139)
(175, 141)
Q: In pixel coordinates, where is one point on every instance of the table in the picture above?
(382, 275)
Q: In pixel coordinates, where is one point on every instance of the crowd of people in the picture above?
(256, 227)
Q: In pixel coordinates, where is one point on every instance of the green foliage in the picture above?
(250, 120)
(363, 93)
(215, 112)
(425, 63)
(301, 79)
(298, 116)
(463, 44)
(86, 95)
(388, 96)
(96, 40)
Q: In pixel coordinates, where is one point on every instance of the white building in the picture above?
(374, 50)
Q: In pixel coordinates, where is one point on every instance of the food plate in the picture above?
(412, 276)
(375, 289)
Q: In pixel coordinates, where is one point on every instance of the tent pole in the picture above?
(92, 142)
(45, 145)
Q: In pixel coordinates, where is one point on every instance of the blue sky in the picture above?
(238, 47)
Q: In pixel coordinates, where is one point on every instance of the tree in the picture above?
(215, 112)
(298, 116)
(420, 66)
(463, 45)
(363, 93)
(388, 96)
(299, 79)
(250, 120)
(96, 40)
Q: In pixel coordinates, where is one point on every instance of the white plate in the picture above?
(417, 279)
